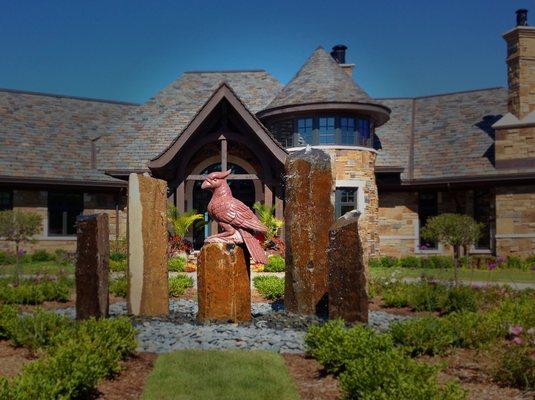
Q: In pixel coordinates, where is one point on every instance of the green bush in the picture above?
(275, 263)
(35, 330)
(392, 375)
(516, 366)
(7, 258)
(7, 315)
(118, 265)
(428, 335)
(80, 355)
(271, 287)
(459, 298)
(375, 262)
(514, 262)
(30, 292)
(42, 255)
(410, 262)
(178, 284)
(370, 367)
(397, 296)
(117, 256)
(119, 287)
(442, 262)
(176, 264)
(389, 262)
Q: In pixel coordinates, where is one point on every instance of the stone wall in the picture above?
(515, 220)
(94, 203)
(359, 164)
(398, 219)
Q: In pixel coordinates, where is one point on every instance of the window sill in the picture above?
(479, 251)
(73, 238)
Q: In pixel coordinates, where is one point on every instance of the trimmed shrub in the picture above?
(118, 265)
(119, 287)
(36, 330)
(30, 292)
(178, 284)
(459, 298)
(410, 262)
(271, 287)
(42, 255)
(117, 256)
(389, 262)
(428, 335)
(78, 356)
(375, 262)
(176, 264)
(370, 367)
(275, 263)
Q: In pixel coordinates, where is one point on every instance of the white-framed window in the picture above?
(349, 196)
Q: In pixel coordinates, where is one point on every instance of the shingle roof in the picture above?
(452, 133)
(320, 80)
(49, 136)
(150, 129)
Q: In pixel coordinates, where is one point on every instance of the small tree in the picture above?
(455, 230)
(266, 215)
(19, 227)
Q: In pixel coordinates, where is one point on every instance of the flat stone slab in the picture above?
(271, 329)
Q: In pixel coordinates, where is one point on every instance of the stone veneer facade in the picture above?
(94, 203)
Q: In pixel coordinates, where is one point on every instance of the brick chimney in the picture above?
(521, 66)
(339, 54)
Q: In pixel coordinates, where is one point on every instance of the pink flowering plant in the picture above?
(516, 364)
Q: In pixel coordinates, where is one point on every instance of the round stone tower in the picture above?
(323, 107)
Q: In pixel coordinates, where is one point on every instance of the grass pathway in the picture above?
(221, 375)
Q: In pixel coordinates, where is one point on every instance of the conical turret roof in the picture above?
(320, 80)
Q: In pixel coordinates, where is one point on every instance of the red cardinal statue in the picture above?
(238, 221)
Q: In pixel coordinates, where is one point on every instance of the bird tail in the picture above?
(253, 245)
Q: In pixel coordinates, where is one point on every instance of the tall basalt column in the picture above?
(223, 283)
(92, 266)
(147, 246)
(348, 258)
(308, 215)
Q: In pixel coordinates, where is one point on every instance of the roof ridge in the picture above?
(66, 96)
(215, 71)
(439, 94)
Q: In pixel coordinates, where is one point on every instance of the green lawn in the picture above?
(504, 275)
(44, 267)
(221, 375)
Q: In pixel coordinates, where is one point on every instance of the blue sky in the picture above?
(128, 50)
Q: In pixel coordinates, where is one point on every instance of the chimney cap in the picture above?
(339, 53)
(522, 17)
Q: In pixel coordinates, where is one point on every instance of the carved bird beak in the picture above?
(206, 185)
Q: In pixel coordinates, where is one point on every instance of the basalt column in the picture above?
(348, 257)
(92, 266)
(147, 246)
(223, 283)
(308, 215)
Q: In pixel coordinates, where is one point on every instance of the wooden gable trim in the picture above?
(223, 92)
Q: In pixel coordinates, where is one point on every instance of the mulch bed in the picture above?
(473, 369)
(12, 359)
(128, 384)
(311, 381)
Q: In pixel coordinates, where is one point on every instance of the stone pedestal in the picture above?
(147, 246)
(223, 283)
(308, 215)
(92, 266)
(348, 296)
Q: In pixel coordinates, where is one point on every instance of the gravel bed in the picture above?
(271, 328)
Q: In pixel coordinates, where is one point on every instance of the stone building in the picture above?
(398, 161)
